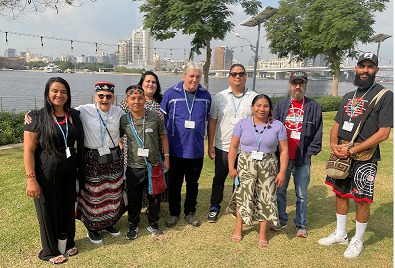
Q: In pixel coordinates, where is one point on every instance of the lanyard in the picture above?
(152, 106)
(300, 114)
(264, 130)
(354, 109)
(132, 126)
(101, 128)
(234, 105)
(67, 127)
(193, 102)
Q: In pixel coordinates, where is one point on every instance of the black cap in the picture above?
(298, 75)
(369, 56)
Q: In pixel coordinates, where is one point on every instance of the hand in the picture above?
(166, 163)
(28, 119)
(33, 189)
(340, 151)
(233, 173)
(161, 116)
(211, 152)
(280, 180)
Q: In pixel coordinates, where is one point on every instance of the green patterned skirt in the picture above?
(255, 196)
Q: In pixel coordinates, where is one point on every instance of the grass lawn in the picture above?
(210, 245)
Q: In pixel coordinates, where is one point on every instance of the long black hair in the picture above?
(45, 128)
(157, 95)
(266, 97)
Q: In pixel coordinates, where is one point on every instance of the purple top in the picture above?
(244, 129)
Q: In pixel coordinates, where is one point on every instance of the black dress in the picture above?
(56, 175)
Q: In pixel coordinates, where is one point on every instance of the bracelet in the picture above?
(166, 154)
(350, 153)
(31, 175)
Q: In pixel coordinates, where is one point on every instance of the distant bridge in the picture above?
(346, 73)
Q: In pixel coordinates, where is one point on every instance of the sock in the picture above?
(341, 225)
(360, 230)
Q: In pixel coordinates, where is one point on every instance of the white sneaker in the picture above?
(333, 239)
(354, 249)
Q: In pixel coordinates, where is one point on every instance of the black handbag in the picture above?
(114, 155)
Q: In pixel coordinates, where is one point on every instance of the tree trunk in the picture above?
(333, 59)
(335, 85)
(206, 66)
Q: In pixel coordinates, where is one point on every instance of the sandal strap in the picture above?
(54, 259)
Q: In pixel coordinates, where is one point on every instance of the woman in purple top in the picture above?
(256, 177)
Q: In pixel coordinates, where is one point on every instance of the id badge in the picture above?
(106, 150)
(142, 152)
(68, 154)
(348, 126)
(257, 155)
(234, 120)
(101, 151)
(295, 135)
(189, 124)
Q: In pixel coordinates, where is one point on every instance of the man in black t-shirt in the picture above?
(359, 184)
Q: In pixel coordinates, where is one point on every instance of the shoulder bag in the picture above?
(339, 168)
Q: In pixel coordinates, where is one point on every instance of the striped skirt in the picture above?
(255, 196)
(101, 203)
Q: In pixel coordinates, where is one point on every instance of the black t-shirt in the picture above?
(381, 116)
(59, 139)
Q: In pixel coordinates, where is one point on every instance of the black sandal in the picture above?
(70, 251)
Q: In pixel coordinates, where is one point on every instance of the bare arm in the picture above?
(234, 145)
(29, 147)
(212, 125)
(375, 139)
(165, 146)
(284, 157)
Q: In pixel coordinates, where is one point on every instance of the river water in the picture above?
(23, 90)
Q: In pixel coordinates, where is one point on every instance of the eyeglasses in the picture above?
(298, 83)
(235, 74)
(101, 96)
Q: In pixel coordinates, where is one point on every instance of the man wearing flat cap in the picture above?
(302, 118)
(365, 152)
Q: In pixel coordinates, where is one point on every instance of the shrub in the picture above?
(329, 103)
(11, 127)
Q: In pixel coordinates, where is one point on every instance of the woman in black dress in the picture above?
(51, 164)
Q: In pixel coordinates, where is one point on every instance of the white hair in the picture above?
(193, 66)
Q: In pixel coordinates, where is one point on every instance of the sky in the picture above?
(103, 21)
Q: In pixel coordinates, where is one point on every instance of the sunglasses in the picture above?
(101, 96)
(298, 83)
(235, 74)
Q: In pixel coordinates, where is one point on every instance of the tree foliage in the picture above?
(204, 20)
(16, 8)
(307, 28)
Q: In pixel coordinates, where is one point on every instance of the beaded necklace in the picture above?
(268, 126)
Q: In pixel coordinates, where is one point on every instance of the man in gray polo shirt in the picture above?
(227, 108)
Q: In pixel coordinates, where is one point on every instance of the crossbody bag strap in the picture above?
(372, 104)
(108, 131)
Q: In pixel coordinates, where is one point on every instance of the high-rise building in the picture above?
(137, 51)
(10, 53)
(223, 58)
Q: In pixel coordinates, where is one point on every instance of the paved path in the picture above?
(10, 146)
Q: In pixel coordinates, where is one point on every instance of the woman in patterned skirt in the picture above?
(256, 177)
(100, 201)
(153, 97)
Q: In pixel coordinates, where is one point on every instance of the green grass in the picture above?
(210, 245)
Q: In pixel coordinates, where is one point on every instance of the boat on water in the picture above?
(51, 68)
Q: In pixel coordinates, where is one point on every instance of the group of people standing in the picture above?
(156, 141)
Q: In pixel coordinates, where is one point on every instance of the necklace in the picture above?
(267, 126)
(145, 118)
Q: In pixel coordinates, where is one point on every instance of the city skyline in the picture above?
(124, 17)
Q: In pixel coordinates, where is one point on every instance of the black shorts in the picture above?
(359, 184)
